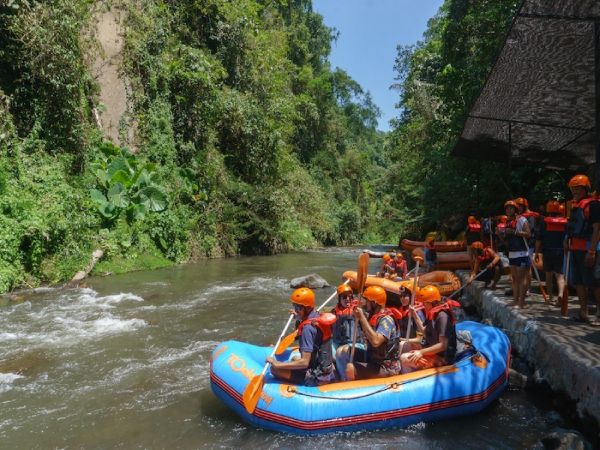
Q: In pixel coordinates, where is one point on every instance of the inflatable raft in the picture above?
(440, 246)
(447, 261)
(446, 281)
(466, 387)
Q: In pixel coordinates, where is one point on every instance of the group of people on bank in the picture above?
(565, 238)
(377, 340)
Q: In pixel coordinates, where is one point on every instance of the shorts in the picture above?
(366, 370)
(579, 274)
(554, 260)
(521, 261)
(487, 276)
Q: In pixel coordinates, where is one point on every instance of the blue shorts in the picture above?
(521, 261)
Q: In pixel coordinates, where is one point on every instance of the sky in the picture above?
(369, 31)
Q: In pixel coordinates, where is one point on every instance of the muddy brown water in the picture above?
(123, 363)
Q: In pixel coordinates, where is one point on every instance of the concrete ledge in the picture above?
(565, 353)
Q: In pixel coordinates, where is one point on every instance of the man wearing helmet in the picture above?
(314, 366)
(486, 259)
(439, 333)
(583, 234)
(550, 241)
(379, 328)
(388, 267)
(472, 234)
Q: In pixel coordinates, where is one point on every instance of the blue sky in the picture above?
(369, 31)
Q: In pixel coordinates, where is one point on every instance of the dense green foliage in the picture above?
(438, 80)
(247, 141)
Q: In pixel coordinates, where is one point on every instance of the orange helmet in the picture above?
(502, 219)
(375, 294)
(561, 209)
(386, 257)
(477, 245)
(580, 180)
(522, 201)
(399, 255)
(553, 207)
(303, 296)
(471, 219)
(344, 289)
(511, 203)
(429, 294)
(407, 285)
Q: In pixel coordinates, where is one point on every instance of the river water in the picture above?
(124, 362)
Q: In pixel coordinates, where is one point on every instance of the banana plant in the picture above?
(125, 186)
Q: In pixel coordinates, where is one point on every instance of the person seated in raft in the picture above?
(439, 333)
(343, 328)
(380, 359)
(486, 258)
(402, 319)
(430, 254)
(401, 266)
(388, 267)
(314, 366)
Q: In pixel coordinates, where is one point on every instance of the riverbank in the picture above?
(561, 353)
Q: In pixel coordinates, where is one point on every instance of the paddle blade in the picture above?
(350, 372)
(363, 270)
(286, 342)
(252, 393)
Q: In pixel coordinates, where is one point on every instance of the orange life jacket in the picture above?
(473, 227)
(579, 228)
(323, 323)
(447, 306)
(556, 224)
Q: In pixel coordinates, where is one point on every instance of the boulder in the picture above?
(516, 379)
(562, 439)
(312, 281)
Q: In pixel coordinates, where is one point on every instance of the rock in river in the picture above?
(312, 281)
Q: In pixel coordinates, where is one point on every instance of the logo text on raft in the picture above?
(237, 364)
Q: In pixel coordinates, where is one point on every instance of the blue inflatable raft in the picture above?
(466, 387)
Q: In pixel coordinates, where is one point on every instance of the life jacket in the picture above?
(579, 228)
(515, 243)
(321, 357)
(343, 328)
(386, 352)
(401, 317)
(474, 228)
(556, 224)
(446, 308)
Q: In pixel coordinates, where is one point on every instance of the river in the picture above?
(124, 363)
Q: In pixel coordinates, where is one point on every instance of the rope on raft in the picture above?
(395, 385)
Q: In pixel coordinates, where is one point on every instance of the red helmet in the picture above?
(522, 201)
(553, 206)
(502, 219)
(375, 294)
(477, 245)
(303, 296)
(580, 180)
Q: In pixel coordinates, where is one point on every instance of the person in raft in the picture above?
(401, 266)
(388, 267)
(439, 333)
(402, 318)
(486, 258)
(550, 241)
(314, 366)
(516, 233)
(380, 359)
(343, 328)
(583, 234)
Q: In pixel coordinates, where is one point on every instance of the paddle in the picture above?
(413, 295)
(361, 278)
(468, 283)
(290, 338)
(564, 301)
(254, 389)
(537, 275)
